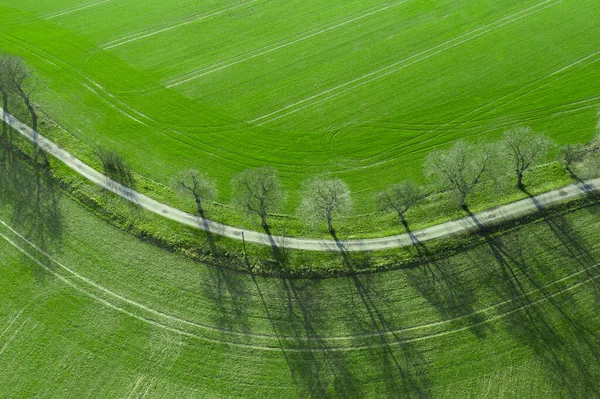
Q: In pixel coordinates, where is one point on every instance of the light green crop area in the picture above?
(363, 90)
(88, 311)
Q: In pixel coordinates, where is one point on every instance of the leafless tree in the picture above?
(200, 186)
(258, 191)
(460, 168)
(5, 86)
(324, 198)
(525, 148)
(115, 166)
(571, 154)
(19, 77)
(399, 198)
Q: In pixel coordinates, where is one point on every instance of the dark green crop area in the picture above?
(88, 311)
(361, 90)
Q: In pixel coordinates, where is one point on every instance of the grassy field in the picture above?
(89, 311)
(361, 90)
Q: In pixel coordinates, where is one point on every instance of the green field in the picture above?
(88, 311)
(362, 90)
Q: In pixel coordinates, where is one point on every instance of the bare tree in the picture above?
(115, 166)
(399, 198)
(5, 87)
(19, 76)
(460, 168)
(258, 191)
(525, 148)
(571, 154)
(325, 199)
(200, 186)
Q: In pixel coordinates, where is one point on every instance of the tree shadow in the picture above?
(570, 239)
(316, 368)
(229, 291)
(401, 365)
(545, 321)
(34, 200)
(280, 258)
(205, 226)
(444, 288)
(321, 365)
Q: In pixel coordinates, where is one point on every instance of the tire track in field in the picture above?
(460, 122)
(130, 112)
(15, 333)
(116, 307)
(72, 10)
(399, 65)
(526, 90)
(135, 387)
(46, 291)
(196, 74)
(12, 321)
(286, 339)
(106, 291)
(187, 21)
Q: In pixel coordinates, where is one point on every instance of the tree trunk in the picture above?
(329, 224)
(520, 179)
(34, 117)
(263, 217)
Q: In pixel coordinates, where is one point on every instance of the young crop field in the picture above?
(91, 306)
(360, 90)
(89, 311)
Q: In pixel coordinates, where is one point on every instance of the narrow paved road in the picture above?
(469, 223)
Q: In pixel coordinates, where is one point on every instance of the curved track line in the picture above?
(444, 230)
(280, 339)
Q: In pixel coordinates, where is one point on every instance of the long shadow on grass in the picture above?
(402, 367)
(298, 312)
(546, 318)
(398, 362)
(441, 285)
(229, 291)
(29, 191)
(571, 241)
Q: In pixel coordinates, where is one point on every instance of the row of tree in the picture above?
(458, 170)
(259, 191)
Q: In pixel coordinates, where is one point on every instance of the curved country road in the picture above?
(469, 223)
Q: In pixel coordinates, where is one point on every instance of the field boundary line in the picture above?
(398, 65)
(444, 230)
(269, 48)
(148, 33)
